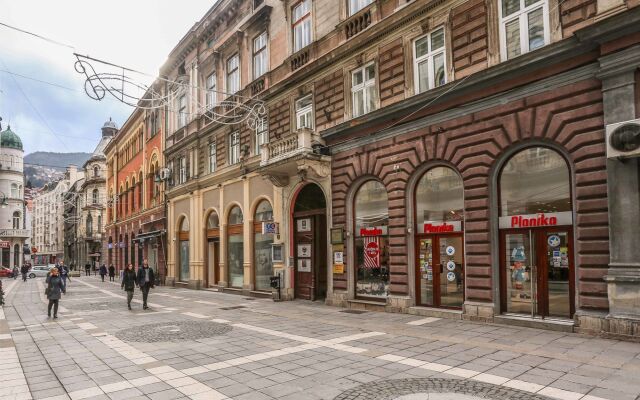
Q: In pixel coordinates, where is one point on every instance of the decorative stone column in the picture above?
(617, 72)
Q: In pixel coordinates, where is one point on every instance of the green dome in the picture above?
(9, 139)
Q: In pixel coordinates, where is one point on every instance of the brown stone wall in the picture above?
(570, 117)
(576, 14)
(329, 100)
(279, 120)
(391, 73)
(469, 37)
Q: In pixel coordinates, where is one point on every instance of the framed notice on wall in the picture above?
(304, 265)
(277, 255)
(304, 225)
(304, 250)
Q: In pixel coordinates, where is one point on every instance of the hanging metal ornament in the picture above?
(119, 83)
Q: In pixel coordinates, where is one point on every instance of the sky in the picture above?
(138, 34)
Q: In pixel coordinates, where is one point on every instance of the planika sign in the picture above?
(440, 227)
(536, 220)
(373, 231)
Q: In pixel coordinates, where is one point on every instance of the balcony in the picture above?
(15, 233)
(288, 156)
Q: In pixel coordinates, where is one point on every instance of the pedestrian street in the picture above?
(210, 345)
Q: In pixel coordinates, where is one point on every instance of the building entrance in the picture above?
(310, 244)
(440, 270)
(537, 272)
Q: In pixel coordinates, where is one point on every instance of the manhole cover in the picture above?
(232, 308)
(353, 311)
(176, 331)
(434, 389)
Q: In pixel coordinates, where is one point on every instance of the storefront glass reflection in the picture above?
(371, 240)
(262, 247)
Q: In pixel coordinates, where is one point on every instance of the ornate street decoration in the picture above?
(123, 84)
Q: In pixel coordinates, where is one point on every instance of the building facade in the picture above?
(135, 228)
(445, 158)
(48, 218)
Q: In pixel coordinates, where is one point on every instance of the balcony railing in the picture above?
(299, 143)
(21, 233)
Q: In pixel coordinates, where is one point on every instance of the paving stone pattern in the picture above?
(299, 350)
(393, 389)
(172, 331)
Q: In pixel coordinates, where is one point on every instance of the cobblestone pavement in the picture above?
(210, 345)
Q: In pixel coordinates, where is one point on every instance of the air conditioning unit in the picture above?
(165, 173)
(623, 139)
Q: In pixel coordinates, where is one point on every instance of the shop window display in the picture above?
(372, 240)
(235, 248)
(262, 247)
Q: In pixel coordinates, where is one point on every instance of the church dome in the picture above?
(10, 140)
(110, 124)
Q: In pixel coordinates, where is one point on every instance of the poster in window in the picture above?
(304, 225)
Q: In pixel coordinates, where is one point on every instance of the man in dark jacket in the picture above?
(103, 271)
(146, 279)
(54, 291)
(87, 269)
(24, 270)
(128, 283)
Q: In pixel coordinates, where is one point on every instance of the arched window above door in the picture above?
(264, 212)
(439, 197)
(535, 180)
(235, 216)
(213, 221)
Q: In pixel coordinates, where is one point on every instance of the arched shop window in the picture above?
(183, 249)
(262, 246)
(235, 248)
(439, 218)
(16, 255)
(372, 240)
(536, 234)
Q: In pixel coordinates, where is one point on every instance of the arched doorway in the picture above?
(310, 243)
(536, 240)
(235, 247)
(371, 236)
(439, 216)
(212, 250)
(183, 250)
(262, 242)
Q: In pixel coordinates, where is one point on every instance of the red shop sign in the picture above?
(372, 249)
(536, 220)
(441, 227)
(373, 231)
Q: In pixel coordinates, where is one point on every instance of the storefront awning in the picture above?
(141, 237)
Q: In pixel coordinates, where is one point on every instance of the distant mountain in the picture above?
(62, 160)
(43, 167)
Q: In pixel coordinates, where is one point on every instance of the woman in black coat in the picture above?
(55, 288)
(112, 273)
(128, 283)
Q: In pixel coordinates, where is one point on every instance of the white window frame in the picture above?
(262, 134)
(234, 148)
(260, 55)
(304, 36)
(211, 97)
(182, 111)
(233, 75)
(213, 154)
(359, 5)
(521, 15)
(182, 172)
(304, 113)
(363, 87)
(429, 57)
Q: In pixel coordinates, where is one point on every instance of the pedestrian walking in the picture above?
(54, 291)
(64, 274)
(103, 271)
(128, 283)
(146, 280)
(112, 273)
(87, 269)
(15, 272)
(24, 270)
